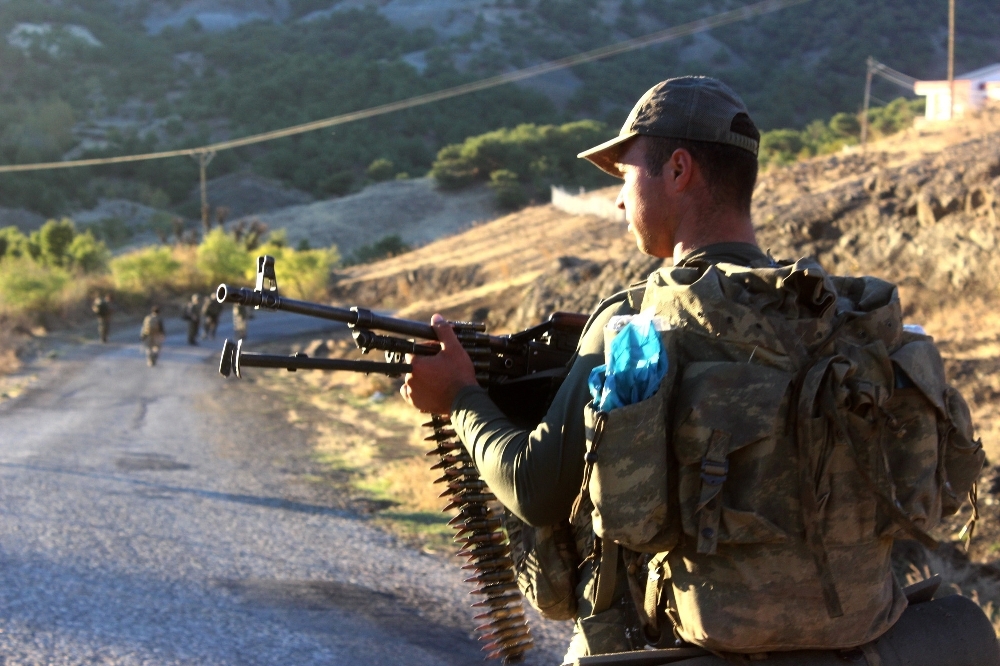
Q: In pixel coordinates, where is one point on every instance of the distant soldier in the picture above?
(153, 335)
(240, 318)
(102, 310)
(210, 313)
(192, 315)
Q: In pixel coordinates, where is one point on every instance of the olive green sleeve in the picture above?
(536, 473)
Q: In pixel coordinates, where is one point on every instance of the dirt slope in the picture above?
(920, 209)
(413, 209)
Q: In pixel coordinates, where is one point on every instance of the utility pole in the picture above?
(951, 57)
(868, 98)
(203, 161)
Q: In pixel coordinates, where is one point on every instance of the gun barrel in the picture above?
(352, 317)
(253, 360)
(234, 359)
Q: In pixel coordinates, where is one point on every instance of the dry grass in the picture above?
(364, 430)
(960, 577)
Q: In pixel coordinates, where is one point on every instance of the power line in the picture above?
(692, 28)
(875, 68)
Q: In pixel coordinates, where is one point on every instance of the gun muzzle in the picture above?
(222, 294)
(228, 353)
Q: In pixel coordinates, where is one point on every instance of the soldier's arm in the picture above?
(536, 473)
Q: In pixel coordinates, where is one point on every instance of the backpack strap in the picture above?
(607, 577)
(714, 468)
(808, 391)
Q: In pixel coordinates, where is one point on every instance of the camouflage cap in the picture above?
(697, 108)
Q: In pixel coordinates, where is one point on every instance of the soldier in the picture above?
(101, 308)
(775, 408)
(192, 315)
(210, 313)
(153, 335)
(241, 315)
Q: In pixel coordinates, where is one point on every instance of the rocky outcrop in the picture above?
(928, 223)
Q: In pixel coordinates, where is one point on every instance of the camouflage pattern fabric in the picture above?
(797, 453)
(153, 335)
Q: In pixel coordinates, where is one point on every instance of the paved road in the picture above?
(149, 516)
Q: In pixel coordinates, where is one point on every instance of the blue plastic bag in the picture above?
(636, 363)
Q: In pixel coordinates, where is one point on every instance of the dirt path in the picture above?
(163, 516)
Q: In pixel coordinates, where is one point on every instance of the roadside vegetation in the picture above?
(54, 271)
(372, 444)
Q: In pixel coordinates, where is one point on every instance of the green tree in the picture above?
(510, 193)
(87, 254)
(144, 270)
(538, 155)
(13, 243)
(53, 240)
(221, 258)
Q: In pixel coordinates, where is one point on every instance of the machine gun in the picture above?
(521, 371)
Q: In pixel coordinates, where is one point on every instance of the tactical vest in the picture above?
(798, 431)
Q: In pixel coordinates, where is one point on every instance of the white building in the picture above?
(971, 92)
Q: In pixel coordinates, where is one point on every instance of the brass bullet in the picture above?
(494, 602)
(511, 653)
(495, 590)
(493, 537)
(469, 513)
(481, 522)
(444, 448)
(506, 623)
(500, 614)
(506, 641)
(506, 634)
(475, 484)
(495, 563)
(440, 435)
(485, 551)
(452, 459)
(492, 577)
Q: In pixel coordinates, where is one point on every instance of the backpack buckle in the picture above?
(714, 472)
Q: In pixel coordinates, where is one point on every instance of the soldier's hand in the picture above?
(436, 380)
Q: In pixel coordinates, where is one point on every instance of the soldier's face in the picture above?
(647, 202)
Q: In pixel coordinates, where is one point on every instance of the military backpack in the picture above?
(798, 431)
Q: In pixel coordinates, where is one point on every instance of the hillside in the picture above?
(920, 209)
(108, 77)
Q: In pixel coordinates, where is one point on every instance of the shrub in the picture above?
(510, 193)
(387, 246)
(26, 285)
(221, 258)
(818, 138)
(51, 242)
(13, 243)
(381, 169)
(781, 146)
(145, 270)
(87, 254)
(302, 273)
(846, 125)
